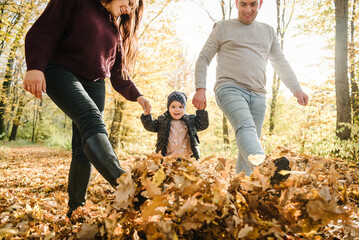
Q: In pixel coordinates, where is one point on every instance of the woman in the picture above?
(69, 51)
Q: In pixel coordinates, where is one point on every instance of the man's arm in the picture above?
(285, 72)
(205, 57)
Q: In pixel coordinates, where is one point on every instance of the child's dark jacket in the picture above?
(195, 122)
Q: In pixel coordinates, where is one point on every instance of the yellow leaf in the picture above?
(159, 176)
(243, 233)
(154, 207)
(125, 192)
(190, 177)
(87, 231)
(151, 188)
(187, 206)
(7, 231)
(154, 156)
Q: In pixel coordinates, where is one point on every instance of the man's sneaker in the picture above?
(256, 159)
(281, 164)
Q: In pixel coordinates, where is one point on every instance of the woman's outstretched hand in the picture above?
(145, 104)
(34, 83)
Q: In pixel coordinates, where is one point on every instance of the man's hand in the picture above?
(302, 98)
(34, 83)
(145, 104)
(199, 99)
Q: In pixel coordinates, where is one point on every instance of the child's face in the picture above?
(176, 110)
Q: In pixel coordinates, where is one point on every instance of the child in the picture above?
(177, 130)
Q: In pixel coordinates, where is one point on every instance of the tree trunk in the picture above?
(10, 28)
(37, 118)
(226, 12)
(276, 80)
(17, 120)
(5, 90)
(115, 129)
(353, 81)
(65, 122)
(341, 70)
(273, 104)
(282, 25)
(3, 98)
(14, 105)
(124, 133)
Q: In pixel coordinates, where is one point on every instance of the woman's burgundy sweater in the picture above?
(79, 35)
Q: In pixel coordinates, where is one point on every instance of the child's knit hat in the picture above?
(176, 96)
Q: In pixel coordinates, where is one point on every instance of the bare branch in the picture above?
(291, 14)
(223, 8)
(230, 8)
(208, 13)
(154, 18)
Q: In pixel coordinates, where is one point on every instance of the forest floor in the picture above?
(168, 199)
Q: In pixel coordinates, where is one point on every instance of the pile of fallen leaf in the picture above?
(163, 198)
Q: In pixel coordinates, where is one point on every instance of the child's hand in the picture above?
(145, 104)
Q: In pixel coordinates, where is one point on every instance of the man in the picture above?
(243, 47)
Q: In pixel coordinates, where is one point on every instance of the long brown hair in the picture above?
(128, 27)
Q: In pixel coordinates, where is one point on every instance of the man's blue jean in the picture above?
(245, 111)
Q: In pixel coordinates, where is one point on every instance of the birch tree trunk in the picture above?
(36, 120)
(282, 25)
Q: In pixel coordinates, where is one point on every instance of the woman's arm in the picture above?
(42, 38)
(41, 41)
(125, 87)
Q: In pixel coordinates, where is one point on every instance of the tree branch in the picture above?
(154, 18)
(208, 13)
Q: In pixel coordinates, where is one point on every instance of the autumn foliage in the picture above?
(162, 198)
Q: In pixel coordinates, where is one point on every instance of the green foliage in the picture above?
(52, 123)
(60, 141)
(348, 149)
(304, 129)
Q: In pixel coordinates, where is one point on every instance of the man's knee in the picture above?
(245, 128)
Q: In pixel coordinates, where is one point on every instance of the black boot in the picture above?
(281, 164)
(79, 179)
(99, 151)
